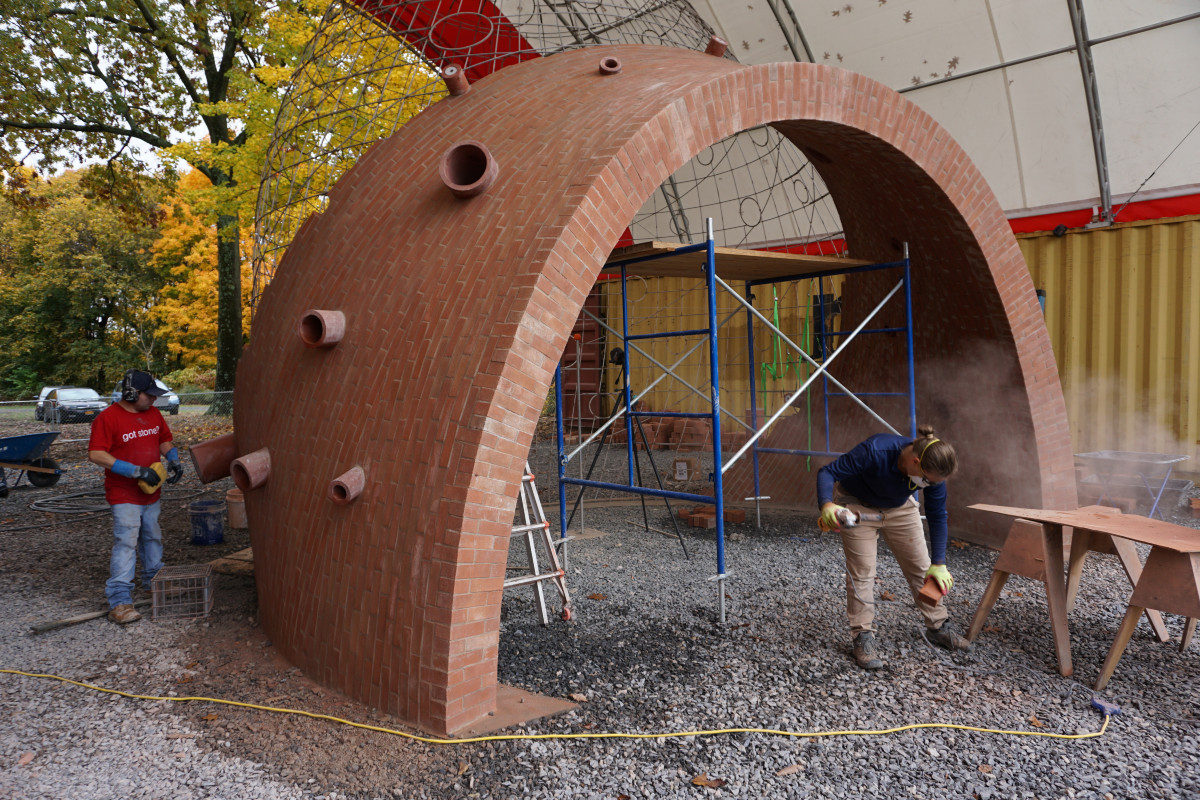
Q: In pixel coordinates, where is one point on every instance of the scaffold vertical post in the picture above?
(753, 406)
(714, 368)
(562, 451)
(824, 334)
(625, 371)
(908, 324)
(562, 456)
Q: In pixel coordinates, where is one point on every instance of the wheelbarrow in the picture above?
(26, 454)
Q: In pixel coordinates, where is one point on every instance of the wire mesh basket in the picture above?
(183, 592)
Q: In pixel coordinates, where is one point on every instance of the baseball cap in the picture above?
(144, 382)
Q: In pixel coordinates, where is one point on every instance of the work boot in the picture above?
(865, 651)
(948, 637)
(124, 614)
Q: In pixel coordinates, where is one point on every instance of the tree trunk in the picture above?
(229, 301)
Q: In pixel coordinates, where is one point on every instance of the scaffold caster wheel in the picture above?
(567, 613)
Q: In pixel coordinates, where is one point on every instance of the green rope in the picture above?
(778, 367)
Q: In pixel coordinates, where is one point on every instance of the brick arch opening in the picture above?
(456, 310)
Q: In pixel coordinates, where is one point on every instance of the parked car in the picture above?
(38, 412)
(72, 404)
(167, 404)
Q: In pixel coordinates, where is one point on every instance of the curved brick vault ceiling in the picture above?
(457, 311)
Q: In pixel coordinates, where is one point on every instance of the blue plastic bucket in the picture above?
(206, 521)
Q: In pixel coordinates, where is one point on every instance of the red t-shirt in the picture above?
(133, 437)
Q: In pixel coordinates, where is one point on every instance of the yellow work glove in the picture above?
(150, 478)
(829, 517)
(942, 576)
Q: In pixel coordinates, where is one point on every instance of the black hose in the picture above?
(81, 505)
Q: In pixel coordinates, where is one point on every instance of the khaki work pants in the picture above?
(902, 530)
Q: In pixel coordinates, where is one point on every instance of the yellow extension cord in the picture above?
(529, 736)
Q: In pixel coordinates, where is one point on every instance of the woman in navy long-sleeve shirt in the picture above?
(880, 478)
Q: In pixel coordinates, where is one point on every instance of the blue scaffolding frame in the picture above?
(710, 334)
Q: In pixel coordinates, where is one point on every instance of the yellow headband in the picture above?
(921, 457)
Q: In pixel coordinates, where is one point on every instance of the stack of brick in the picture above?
(666, 429)
(650, 430)
(618, 435)
(706, 516)
(680, 433)
(616, 432)
(691, 434)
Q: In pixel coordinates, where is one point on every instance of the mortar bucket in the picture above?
(206, 521)
(237, 509)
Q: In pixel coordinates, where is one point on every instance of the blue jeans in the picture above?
(135, 534)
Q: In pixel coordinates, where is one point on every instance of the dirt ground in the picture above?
(231, 658)
(68, 554)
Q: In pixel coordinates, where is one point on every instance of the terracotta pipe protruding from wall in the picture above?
(456, 80)
(212, 457)
(468, 168)
(347, 486)
(610, 65)
(251, 470)
(321, 328)
(716, 46)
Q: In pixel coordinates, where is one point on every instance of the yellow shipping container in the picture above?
(1123, 311)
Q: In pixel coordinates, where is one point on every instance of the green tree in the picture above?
(77, 287)
(111, 80)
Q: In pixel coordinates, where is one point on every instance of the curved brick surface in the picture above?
(456, 312)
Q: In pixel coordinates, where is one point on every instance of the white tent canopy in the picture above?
(1006, 79)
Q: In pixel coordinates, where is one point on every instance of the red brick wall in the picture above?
(457, 311)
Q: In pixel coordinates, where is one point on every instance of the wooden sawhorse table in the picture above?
(1169, 582)
(1084, 541)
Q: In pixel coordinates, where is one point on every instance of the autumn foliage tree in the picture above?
(184, 253)
(114, 80)
(78, 286)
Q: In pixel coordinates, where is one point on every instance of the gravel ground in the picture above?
(646, 654)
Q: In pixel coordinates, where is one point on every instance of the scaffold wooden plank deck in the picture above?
(732, 264)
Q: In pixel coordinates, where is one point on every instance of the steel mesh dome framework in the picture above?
(373, 65)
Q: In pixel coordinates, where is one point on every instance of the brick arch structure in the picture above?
(456, 311)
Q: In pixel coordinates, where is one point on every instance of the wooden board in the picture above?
(23, 465)
(43, 627)
(239, 563)
(1127, 526)
(732, 264)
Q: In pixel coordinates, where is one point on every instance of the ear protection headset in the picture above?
(128, 393)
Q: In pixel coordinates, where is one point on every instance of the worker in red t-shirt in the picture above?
(128, 438)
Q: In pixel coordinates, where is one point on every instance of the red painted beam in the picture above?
(471, 33)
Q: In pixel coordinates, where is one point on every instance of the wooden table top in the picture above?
(1110, 521)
